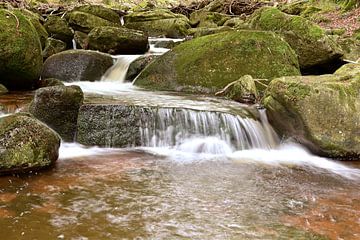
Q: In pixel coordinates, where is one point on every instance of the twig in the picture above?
(230, 11)
(17, 21)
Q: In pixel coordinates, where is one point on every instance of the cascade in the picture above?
(117, 73)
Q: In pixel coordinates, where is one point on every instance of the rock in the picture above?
(242, 90)
(58, 28)
(26, 144)
(138, 65)
(3, 89)
(308, 40)
(166, 44)
(116, 40)
(321, 112)
(52, 47)
(49, 82)
(81, 39)
(158, 23)
(203, 31)
(35, 21)
(209, 63)
(351, 48)
(85, 22)
(207, 19)
(236, 22)
(58, 107)
(20, 51)
(77, 65)
(100, 11)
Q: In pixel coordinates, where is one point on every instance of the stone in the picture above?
(203, 31)
(20, 51)
(85, 22)
(100, 11)
(81, 40)
(116, 40)
(138, 65)
(309, 41)
(52, 47)
(158, 22)
(207, 64)
(58, 28)
(58, 107)
(3, 89)
(207, 19)
(321, 112)
(26, 144)
(77, 65)
(49, 82)
(35, 20)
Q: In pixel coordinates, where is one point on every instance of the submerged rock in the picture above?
(77, 65)
(158, 22)
(26, 144)
(58, 107)
(58, 28)
(116, 40)
(322, 112)
(20, 51)
(308, 40)
(209, 63)
(52, 47)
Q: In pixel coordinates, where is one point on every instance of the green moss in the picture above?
(58, 28)
(84, 22)
(100, 11)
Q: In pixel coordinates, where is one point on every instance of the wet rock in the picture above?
(20, 51)
(26, 144)
(58, 107)
(308, 40)
(243, 90)
(158, 23)
(77, 65)
(100, 11)
(207, 19)
(116, 40)
(49, 82)
(85, 22)
(138, 65)
(209, 63)
(58, 28)
(52, 47)
(321, 112)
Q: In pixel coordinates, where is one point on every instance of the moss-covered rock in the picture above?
(26, 144)
(100, 11)
(236, 22)
(49, 82)
(3, 89)
(158, 23)
(85, 22)
(322, 112)
(203, 31)
(20, 51)
(58, 28)
(116, 40)
(351, 48)
(77, 65)
(138, 65)
(35, 20)
(308, 40)
(208, 63)
(81, 40)
(58, 107)
(52, 47)
(202, 18)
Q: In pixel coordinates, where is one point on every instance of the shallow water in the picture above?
(95, 193)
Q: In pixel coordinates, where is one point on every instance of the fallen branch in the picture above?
(17, 21)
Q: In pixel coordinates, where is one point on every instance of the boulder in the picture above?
(100, 11)
(351, 48)
(158, 23)
(116, 40)
(321, 112)
(3, 89)
(58, 107)
(209, 63)
(203, 31)
(77, 65)
(166, 44)
(81, 40)
(49, 82)
(138, 65)
(308, 40)
(236, 22)
(85, 22)
(58, 28)
(20, 51)
(52, 47)
(207, 19)
(35, 20)
(26, 144)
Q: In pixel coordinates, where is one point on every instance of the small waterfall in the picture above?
(117, 73)
(74, 43)
(122, 22)
(166, 127)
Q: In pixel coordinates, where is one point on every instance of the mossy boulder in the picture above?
(20, 51)
(52, 47)
(203, 31)
(351, 48)
(58, 107)
(26, 144)
(236, 22)
(77, 65)
(202, 18)
(158, 23)
(81, 40)
(209, 63)
(321, 112)
(116, 40)
(100, 11)
(85, 22)
(58, 28)
(308, 40)
(36, 20)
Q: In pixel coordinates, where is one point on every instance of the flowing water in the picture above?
(207, 169)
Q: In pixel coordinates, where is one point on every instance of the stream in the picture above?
(206, 171)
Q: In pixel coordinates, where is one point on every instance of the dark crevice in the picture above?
(328, 68)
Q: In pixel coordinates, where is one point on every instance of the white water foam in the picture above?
(117, 73)
(74, 150)
(104, 88)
